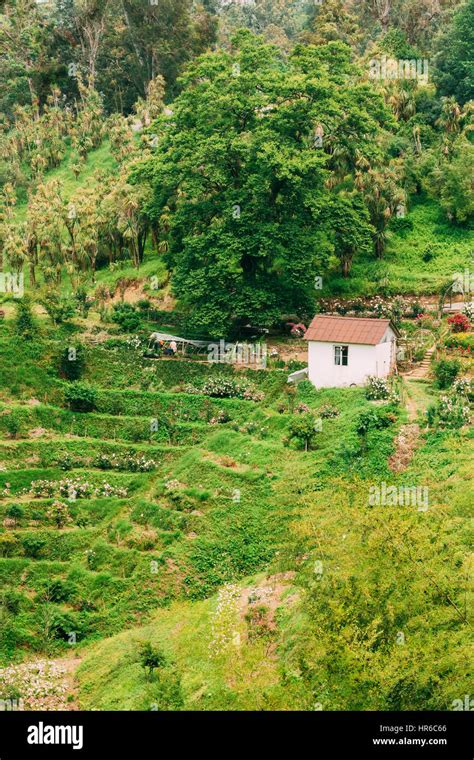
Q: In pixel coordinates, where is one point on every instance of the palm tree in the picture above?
(383, 195)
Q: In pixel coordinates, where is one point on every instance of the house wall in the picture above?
(363, 360)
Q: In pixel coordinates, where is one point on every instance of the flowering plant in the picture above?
(459, 322)
(376, 388)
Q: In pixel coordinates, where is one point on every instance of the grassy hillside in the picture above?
(200, 534)
(419, 258)
(100, 159)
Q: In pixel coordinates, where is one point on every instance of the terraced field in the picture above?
(193, 522)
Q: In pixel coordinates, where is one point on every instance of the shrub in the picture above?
(74, 489)
(463, 342)
(446, 371)
(58, 513)
(304, 428)
(57, 590)
(65, 461)
(11, 601)
(376, 388)
(401, 225)
(328, 411)
(14, 512)
(13, 424)
(33, 546)
(450, 412)
(129, 463)
(127, 317)
(294, 365)
(259, 623)
(59, 308)
(165, 693)
(459, 323)
(374, 419)
(66, 625)
(468, 311)
(42, 488)
(25, 324)
(220, 418)
(223, 387)
(463, 387)
(84, 301)
(81, 397)
(8, 545)
(151, 658)
(416, 310)
(431, 250)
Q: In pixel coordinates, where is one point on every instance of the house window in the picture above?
(341, 355)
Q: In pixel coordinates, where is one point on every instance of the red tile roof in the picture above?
(332, 329)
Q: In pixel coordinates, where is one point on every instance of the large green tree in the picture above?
(244, 170)
(454, 61)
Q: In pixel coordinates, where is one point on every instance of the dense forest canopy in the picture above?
(257, 145)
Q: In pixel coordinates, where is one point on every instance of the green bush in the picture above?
(225, 387)
(446, 372)
(374, 419)
(59, 308)
(14, 512)
(151, 658)
(8, 545)
(165, 692)
(81, 397)
(127, 317)
(33, 546)
(25, 324)
(376, 388)
(13, 424)
(449, 412)
(304, 429)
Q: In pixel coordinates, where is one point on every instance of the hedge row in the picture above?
(153, 428)
(180, 406)
(47, 453)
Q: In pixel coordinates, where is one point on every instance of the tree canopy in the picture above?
(245, 169)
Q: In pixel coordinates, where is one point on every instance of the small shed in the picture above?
(344, 351)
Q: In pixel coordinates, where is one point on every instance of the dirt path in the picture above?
(405, 445)
(416, 402)
(69, 666)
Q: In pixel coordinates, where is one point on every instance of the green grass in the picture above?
(403, 270)
(228, 503)
(238, 678)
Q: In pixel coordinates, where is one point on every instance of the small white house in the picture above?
(343, 351)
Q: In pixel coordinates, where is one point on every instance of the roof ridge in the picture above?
(343, 316)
